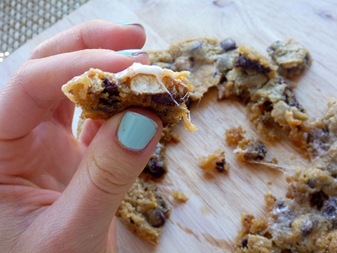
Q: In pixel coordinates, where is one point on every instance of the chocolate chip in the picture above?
(156, 217)
(311, 183)
(307, 59)
(279, 204)
(267, 106)
(247, 64)
(155, 168)
(317, 199)
(244, 243)
(220, 166)
(161, 202)
(255, 151)
(110, 87)
(290, 98)
(228, 44)
(166, 99)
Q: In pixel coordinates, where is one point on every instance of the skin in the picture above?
(59, 193)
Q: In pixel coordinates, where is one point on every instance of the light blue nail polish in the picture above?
(131, 52)
(136, 131)
(129, 24)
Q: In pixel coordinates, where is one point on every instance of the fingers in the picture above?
(34, 94)
(115, 157)
(89, 129)
(93, 34)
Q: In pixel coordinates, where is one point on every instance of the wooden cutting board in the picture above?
(210, 219)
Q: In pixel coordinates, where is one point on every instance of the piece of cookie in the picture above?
(322, 132)
(214, 163)
(156, 166)
(291, 57)
(250, 150)
(273, 107)
(102, 94)
(144, 211)
(206, 59)
(250, 71)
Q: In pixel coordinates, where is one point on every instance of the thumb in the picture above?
(115, 157)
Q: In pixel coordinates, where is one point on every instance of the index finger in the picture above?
(35, 92)
(90, 35)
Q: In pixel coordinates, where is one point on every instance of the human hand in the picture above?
(59, 193)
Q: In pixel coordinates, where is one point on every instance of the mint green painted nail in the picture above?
(131, 52)
(136, 131)
(129, 24)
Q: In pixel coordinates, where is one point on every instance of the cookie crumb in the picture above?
(214, 163)
(179, 196)
(234, 135)
(249, 150)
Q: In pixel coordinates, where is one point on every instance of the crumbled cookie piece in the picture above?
(252, 62)
(179, 196)
(289, 227)
(256, 244)
(206, 59)
(250, 150)
(144, 211)
(168, 136)
(303, 220)
(214, 163)
(322, 133)
(156, 166)
(306, 220)
(250, 71)
(251, 226)
(102, 94)
(291, 57)
(275, 106)
(234, 135)
(242, 73)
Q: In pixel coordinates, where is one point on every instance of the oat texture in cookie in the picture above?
(102, 94)
(144, 211)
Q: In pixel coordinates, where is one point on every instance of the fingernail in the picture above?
(131, 52)
(129, 24)
(136, 131)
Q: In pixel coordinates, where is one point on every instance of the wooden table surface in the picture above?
(209, 221)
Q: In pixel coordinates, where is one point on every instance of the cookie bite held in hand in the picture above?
(102, 94)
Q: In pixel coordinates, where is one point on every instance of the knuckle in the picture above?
(37, 51)
(109, 175)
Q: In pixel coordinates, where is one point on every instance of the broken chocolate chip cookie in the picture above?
(102, 94)
(144, 211)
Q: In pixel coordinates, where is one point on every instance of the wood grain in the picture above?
(209, 221)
